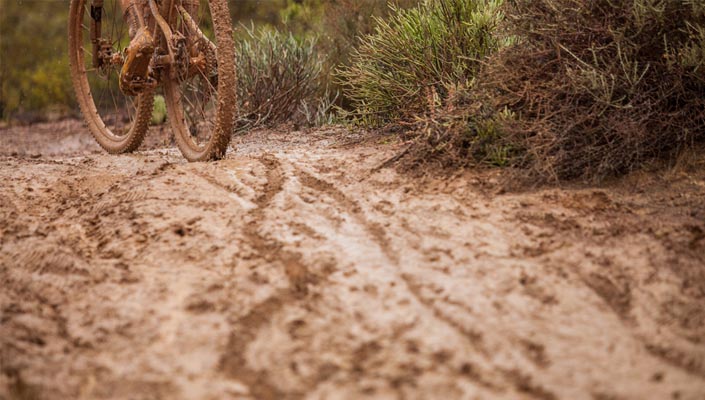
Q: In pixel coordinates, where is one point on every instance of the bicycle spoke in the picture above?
(119, 111)
(193, 102)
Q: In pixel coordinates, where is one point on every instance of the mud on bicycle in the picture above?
(123, 53)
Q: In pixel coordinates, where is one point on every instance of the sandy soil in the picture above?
(296, 269)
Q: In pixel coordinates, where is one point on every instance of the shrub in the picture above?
(413, 59)
(464, 134)
(159, 110)
(600, 87)
(278, 78)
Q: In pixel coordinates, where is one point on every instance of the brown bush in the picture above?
(600, 87)
(592, 88)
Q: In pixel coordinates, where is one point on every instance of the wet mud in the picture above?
(295, 268)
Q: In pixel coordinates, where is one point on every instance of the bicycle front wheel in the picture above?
(201, 98)
(117, 122)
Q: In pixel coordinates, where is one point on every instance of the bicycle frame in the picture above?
(116, 84)
(167, 40)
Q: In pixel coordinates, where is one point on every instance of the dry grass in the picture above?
(592, 89)
(601, 87)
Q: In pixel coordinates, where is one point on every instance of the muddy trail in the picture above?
(295, 268)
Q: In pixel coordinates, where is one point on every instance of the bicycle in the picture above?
(196, 75)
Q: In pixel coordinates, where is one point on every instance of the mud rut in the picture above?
(292, 270)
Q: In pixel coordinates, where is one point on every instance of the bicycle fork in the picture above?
(95, 28)
(102, 48)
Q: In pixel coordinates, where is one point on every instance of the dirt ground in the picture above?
(296, 269)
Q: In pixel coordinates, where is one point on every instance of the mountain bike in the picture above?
(192, 66)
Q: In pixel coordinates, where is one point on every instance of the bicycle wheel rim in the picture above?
(117, 122)
(201, 111)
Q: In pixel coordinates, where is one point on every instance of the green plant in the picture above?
(410, 63)
(278, 77)
(159, 110)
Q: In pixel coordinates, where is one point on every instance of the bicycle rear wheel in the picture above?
(201, 98)
(117, 122)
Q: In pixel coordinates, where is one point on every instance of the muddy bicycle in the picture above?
(191, 65)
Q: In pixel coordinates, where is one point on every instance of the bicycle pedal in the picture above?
(132, 86)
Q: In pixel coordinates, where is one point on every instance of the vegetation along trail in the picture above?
(298, 268)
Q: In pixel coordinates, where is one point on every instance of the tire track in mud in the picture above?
(469, 370)
(234, 189)
(618, 295)
(617, 290)
(615, 287)
(379, 235)
(475, 338)
(268, 247)
(689, 363)
(234, 362)
(375, 230)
